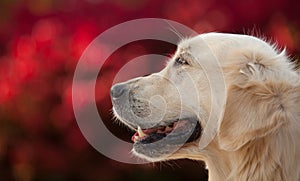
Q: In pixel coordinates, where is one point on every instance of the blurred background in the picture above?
(40, 44)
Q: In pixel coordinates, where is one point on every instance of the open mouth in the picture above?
(177, 132)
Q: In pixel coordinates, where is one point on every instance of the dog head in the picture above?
(170, 110)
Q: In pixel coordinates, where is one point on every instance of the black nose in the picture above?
(117, 90)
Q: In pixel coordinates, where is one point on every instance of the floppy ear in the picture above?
(256, 107)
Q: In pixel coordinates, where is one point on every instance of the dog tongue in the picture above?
(140, 134)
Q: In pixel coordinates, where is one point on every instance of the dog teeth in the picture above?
(160, 131)
(168, 129)
(141, 133)
(135, 138)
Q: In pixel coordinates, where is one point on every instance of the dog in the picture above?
(256, 136)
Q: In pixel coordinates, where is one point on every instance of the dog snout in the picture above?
(117, 90)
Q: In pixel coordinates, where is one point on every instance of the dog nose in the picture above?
(117, 90)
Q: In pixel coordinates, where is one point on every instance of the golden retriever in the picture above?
(257, 136)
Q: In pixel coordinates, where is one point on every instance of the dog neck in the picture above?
(218, 163)
(258, 160)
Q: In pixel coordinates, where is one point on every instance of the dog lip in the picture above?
(178, 132)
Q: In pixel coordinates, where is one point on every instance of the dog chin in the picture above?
(148, 158)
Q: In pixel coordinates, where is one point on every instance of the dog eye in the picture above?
(180, 60)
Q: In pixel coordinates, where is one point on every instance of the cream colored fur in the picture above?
(258, 138)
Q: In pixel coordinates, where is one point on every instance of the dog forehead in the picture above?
(200, 39)
(218, 39)
(203, 43)
(197, 46)
(220, 44)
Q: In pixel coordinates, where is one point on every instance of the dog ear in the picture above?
(257, 106)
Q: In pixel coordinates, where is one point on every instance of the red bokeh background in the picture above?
(40, 44)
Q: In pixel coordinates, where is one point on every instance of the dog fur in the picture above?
(258, 136)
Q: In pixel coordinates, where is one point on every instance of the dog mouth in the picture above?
(174, 133)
